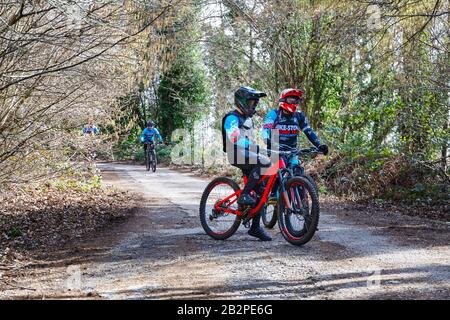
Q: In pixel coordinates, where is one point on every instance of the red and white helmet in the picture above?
(290, 99)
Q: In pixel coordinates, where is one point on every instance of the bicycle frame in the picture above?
(151, 147)
(273, 173)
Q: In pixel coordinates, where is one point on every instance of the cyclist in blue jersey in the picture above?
(148, 135)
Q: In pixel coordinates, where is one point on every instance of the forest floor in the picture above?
(161, 252)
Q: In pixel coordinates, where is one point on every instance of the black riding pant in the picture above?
(250, 164)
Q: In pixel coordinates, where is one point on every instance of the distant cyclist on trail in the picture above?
(289, 122)
(149, 133)
(90, 128)
(243, 152)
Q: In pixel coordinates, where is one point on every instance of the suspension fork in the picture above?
(298, 197)
(296, 192)
(283, 189)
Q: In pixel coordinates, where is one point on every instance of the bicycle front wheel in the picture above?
(299, 219)
(147, 160)
(153, 162)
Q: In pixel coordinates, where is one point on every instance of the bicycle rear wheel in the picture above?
(299, 222)
(219, 225)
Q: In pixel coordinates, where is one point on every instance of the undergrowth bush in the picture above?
(387, 176)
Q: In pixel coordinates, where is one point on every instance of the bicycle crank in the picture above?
(245, 218)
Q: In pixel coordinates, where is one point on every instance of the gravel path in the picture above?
(163, 253)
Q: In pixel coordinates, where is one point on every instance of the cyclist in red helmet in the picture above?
(289, 122)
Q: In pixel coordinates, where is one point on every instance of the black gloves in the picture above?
(323, 148)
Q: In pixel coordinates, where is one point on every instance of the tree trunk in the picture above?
(444, 149)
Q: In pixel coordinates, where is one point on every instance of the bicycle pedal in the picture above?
(247, 224)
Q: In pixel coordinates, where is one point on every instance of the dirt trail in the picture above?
(163, 253)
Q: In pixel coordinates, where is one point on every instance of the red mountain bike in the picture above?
(298, 204)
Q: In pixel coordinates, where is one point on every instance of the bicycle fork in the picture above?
(283, 191)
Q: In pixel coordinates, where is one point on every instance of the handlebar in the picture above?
(294, 151)
(312, 150)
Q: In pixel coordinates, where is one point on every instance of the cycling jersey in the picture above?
(149, 135)
(242, 150)
(237, 131)
(288, 126)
